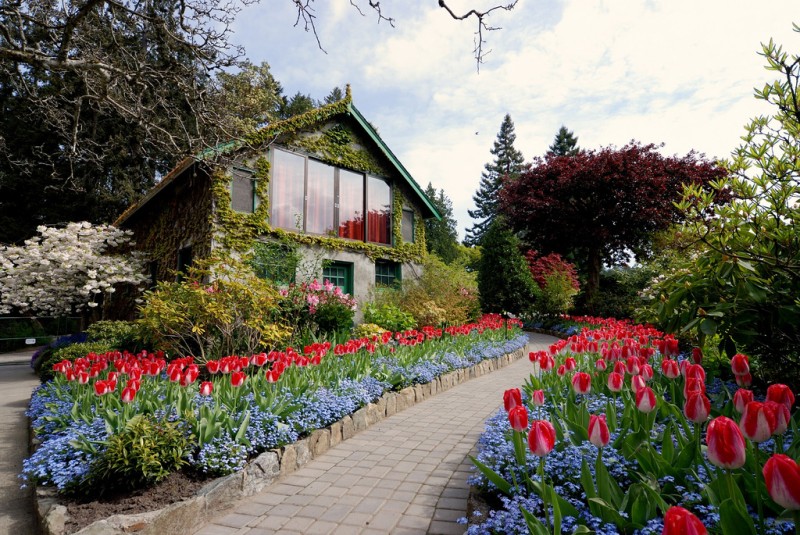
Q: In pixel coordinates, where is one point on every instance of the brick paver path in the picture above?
(406, 474)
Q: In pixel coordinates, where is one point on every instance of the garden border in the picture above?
(190, 514)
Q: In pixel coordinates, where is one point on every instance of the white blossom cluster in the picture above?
(65, 270)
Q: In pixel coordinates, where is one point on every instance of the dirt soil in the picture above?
(176, 487)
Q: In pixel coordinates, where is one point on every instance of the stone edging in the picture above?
(187, 516)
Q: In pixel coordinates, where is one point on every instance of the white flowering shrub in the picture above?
(65, 270)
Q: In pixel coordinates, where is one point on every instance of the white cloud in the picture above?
(675, 71)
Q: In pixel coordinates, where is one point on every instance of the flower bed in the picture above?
(235, 408)
(598, 442)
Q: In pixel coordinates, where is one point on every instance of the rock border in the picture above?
(188, 515)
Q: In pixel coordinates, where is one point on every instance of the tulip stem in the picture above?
(544, 495)
(758, 489)
(796, 517)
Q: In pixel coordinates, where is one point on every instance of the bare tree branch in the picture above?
(481, 17)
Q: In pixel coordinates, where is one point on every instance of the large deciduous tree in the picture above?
(508, 163)
(441, 237)
(602, 204)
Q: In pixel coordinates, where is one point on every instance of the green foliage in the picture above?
(276, 261)
(441, 236)
(334, 317)
(119, 334)
(388, 316)
(743, 279)
(368, 330)
(43, 366)
(508, 164)
(619, 293)
(143, 454)
(504, 280)
(564, 144)
(556, 296)
(235, 313)
(250, 97)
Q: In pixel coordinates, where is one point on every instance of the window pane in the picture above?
(386, 273)
(339, 274)
(408, 226)
(351, 205)
(379, 206)
(319, 211)
(242, 194)
(288, 173)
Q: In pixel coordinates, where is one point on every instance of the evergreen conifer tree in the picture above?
(508, 162)
(441, 237)
(505, 283)
(564, 144)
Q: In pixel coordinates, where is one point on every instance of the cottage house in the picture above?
(324, 181)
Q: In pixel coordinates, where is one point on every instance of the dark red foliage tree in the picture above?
(600, 205)
(551, 264)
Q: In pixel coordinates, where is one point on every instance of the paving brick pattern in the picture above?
(406, 474)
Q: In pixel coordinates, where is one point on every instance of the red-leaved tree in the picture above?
(601, 205)
(544, 266)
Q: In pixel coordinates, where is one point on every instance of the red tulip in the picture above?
(782, 417)
(128, 393)
(740, 364)
(697, 355)
(101, 387)
(615, 381)
(518, 417)
(619, 367)
(637, 382)
(83, 377)
(511, 398)
(697, 407)
(693, 385)
(570, 364)
(645, 399)
(600, 365)
(562, 370)
(259, 359)
(538, 398)
(782, 475)
(598, 430)
(546, 362)
(646, 372)
(780, 394)
(212, 366)
(206, 387)
(632, 365)
(541, 438)
(670, 368)
(741, 398)
(758, 421)
(679, 521)
(237, 379)
(695, 371)
(726, 447)
(744, 381)
(582, 383)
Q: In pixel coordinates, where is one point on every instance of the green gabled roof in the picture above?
(266, 133)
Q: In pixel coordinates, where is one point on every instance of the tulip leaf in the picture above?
(607, 488)
(586, 480)
(611, 415)
(535, 525)
(601, 508)
(734, 519)
(503, 485)
(546, 491)
(667, 446)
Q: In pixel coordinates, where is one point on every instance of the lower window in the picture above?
(340, 274)
(386, 273)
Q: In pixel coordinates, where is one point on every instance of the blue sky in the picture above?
(678, 72)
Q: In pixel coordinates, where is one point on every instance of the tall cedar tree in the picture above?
(441, 237)
(601, 204)
(564, 144)
(505, 283)
(508, 164)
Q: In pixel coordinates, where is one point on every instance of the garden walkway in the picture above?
(406, 474)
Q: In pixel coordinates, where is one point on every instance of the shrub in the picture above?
(556, 296)
(620, 289)
(235, 313)
(44, 366)
(388, 316)
(368, 330)
(143, 454)
(448, 288)
(504, 280)
(120, 334)
(314, 308)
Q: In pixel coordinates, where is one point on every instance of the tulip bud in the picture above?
(726, 447)
(213, 366)
(538, 398)
(697, 407)
(541, 438)
(645, 399)
(206, 387)
(782, 417)
(598, 430)
(758, 421)
(744, 381)
(546, 362)
(740, 364)
(615, 381)
(646, 372)
(511, 398)
(780, 394)
(128, 393)
(518, 417)
(632, 365)
(600, 365)
(101, 387)
(237, 379)
(670, 369)
(695, 371)
(697, 355)
(570, 364)
(561, 371)
(741, 398)
(782, 475)
(637, 382)
(619, 367)
(679, 521)
(582, 383)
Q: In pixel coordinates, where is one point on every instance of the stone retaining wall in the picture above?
(187, 516)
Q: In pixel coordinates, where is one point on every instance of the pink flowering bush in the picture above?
(317, 308)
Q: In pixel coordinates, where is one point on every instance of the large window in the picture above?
(313, 197)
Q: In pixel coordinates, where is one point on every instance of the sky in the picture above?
(677, 72)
